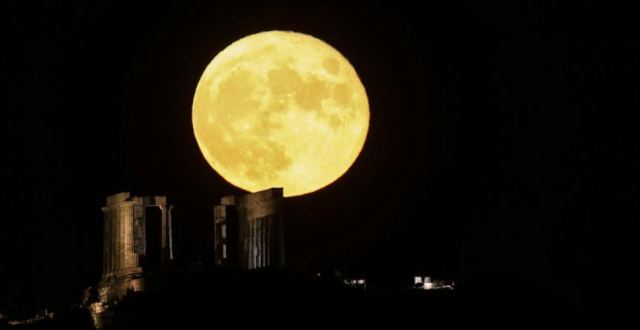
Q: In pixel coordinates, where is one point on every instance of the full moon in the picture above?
(280, 109)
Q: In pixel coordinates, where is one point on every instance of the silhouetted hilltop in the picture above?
(191, 299)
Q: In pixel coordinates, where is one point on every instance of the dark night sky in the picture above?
(502, 139)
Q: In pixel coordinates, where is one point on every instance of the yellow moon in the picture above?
(280, 109)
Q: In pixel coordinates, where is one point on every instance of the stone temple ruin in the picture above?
(249, 232)
(138, 241)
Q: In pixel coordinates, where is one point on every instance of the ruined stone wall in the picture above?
(255, 229)
(125, 242)
(119, 255)
(225, 232)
